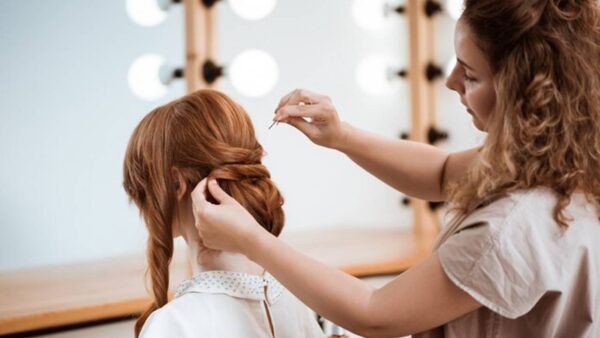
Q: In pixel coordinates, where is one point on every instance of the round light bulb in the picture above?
(454, 8)
(253, 73)
(145, 12)
(374, 73)
(252, 10)
(370, 14)
(144, 77)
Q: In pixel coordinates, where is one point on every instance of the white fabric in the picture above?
(217, 304)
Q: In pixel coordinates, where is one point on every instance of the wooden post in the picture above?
(421, 42)
(199, 30)
(430, 56)
(199, 42)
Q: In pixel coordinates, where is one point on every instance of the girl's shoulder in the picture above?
(176, 318)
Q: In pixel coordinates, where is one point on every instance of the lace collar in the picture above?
(235, 284)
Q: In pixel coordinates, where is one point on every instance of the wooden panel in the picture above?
(55, 296)
(425, 222)
(199, 42)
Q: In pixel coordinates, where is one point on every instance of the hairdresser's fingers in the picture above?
(200, 205)
(199, 196)
(311, 111)
(219, 194)
(322, 114)
(306, 97)
(300, 95)
(284, 100)
(304, 126)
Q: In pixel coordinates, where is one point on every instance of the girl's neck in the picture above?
(203, 259)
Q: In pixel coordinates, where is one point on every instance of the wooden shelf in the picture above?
(56, 296)
(363, 252)
(61, 295)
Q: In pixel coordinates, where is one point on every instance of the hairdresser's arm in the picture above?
(416, 169)
(419, 299)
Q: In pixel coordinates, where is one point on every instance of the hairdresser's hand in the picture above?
(314, 115)
(225, 226)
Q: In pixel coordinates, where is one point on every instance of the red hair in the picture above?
(202, 134)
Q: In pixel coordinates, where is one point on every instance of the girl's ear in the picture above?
(180, 185)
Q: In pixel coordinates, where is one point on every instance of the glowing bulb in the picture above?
(374, 73)
(147, 12)
(252, 10)
(253, 73)
(144, 77)
(454, 8)
(370, 14)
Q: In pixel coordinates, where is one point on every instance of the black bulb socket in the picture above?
(432, 8)
(433, 206)
(178, 73)
(209, 3)
(432, 72)
(435, 135)
(211, 71)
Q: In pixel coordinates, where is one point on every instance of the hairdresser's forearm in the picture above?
(332, 293)
(413, 168)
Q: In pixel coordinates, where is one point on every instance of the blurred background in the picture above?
(68, 110)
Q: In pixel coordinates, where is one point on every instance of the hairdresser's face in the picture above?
(472, 77)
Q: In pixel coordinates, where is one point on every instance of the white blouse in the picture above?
(234, 305)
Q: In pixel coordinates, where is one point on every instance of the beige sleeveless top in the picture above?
(532, 278)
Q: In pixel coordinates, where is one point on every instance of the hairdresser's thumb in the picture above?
(218, 193)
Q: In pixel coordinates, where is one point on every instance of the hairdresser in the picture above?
(520, 256)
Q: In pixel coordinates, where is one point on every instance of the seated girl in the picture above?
(206, 134)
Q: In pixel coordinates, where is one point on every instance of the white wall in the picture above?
(66, 114)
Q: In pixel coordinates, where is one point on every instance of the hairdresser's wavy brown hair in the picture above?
(545, 57)
(203, 134)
